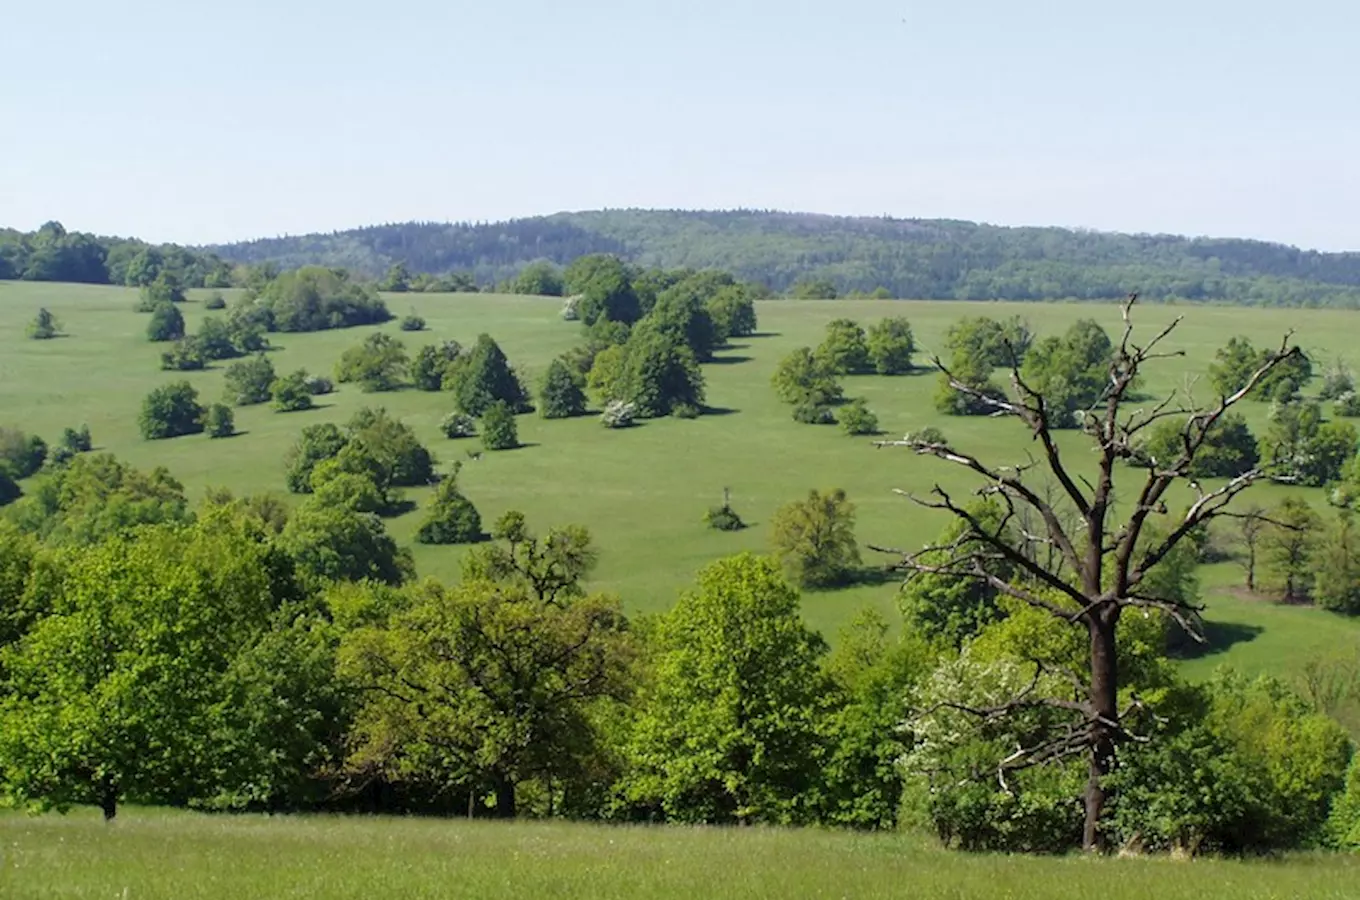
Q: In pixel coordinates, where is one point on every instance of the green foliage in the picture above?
(21, 455)
(95, 496)
(215, 300)
(166, 287)
(218, 421)
(1070, 372)
(1287, 549)
(844, 350)
(727, 730)
(605, 288)
(377, 364)
(891, 345)
(218, 339)
(9, 489)
(1300, 447)
(249, 381)
(483, 376)
(1336, 565)
(681, 313)
(452, 519)
(944, 608)
(330, 542)
(185, 356)
(1343, 825)
(488, 685)
(431, 364)
(659, 375)
(733, 312)
(813, 289)
(118, 693)
(499, 431)
(334, 483)
(814, 539)
(458, 425)
(315, 299)
(170, 411)
(1337, 382)
(856, 418)
(1242, 767)
(291, 392)
(561, 396)
(605, 376)
(1347, 405)
(397, 456)
(540, 278)
(167, 323)
(411, 322)
(812, 414)
(44, 326)
(619, 414)
(397, 280)
(991, 343)
(77, 440)
(723, 518)
(315, 444)
(1236, 362)
(805, 379)
(1229, 449)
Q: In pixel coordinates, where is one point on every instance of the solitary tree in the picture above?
(891, 345)
(44, 326)
(499, 431)
(1287, 545)
(1102, 554)
(167, 323)
(815, 539)
(1250, 527)
(170, 411)
(561, 396)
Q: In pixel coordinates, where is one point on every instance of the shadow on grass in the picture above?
(1218, 638)
(862, 576)
(728, 360)
(399, 508)
(762, 334)
(719, 411)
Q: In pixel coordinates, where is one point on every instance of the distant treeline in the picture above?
(927, 259)
(54, 254)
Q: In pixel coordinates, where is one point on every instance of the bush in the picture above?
(9, 489)
(432, 363)
(77, 440)
(815, 539)
(185, 356)
(291, 392)
(891, 345)
(723, 518)
(844, 351)
(165, 288)
(813, 414)
(316, 444)
(452, 518)
(167, 323)
(318, 385)
(44, 326)
(458, 425)
(314, 298)
(250, 381)
(215, 301)
(483, 376)
(21, 455)
(928, 435)
(499, 431)
(856, 418)
(619, 414)
(561, 396)
(170, 411)
(377, 364)
(686, 411)
(570, 309)
(219, 421)
(1347, 405)
(540, 278)
(412, 322)
(217, 340)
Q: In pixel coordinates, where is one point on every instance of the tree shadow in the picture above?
(234, 434)
(874, 576)
(718, 411)
(399, 508)
(1218, 638)
(728, 360)
(762, 334)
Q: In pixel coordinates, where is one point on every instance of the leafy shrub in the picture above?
(9, 489)
(170, 411)
(813, 414)
(165, 288)
(44, 326)
(452, 518)
(891, 345)
(561, 396)
(571, 309)
(167, 323)
(723, 518)
(458, 425)
(315, 298)
(77, 440)
(412, 322)
(619, 414)
(217, 339)
(377, 364)
(844, 351)
(928, 435)
(185, 356)
(21, 455)
(856, 418)
(219, 421)
(686, 411)
(499, 431)
(215, 301)
(316, 444)
(432, 363)
(1347, 405)
(291, 392)
(250, 381)
(318, 385)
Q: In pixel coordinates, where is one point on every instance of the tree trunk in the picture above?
(1105, 715)
(108, 799)
(505, 798)
(1251, 568)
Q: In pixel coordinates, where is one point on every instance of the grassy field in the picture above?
(641, 491)
(178, 856)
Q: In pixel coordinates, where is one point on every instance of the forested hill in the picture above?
(916, 258)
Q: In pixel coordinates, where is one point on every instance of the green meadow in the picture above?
(643, 491)
(155, 854)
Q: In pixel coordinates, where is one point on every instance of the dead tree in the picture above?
(1100, 556)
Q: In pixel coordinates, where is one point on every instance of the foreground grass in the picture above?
(155, 854)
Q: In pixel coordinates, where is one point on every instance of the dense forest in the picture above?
(929, 259)
(54, 254)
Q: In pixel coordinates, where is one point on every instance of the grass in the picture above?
(156, 854)
(642, 491)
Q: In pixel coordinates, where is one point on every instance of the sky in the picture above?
(212, 122)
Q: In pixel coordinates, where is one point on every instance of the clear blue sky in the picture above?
(200, 122)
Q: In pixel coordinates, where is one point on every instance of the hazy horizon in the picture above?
(169, 123)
